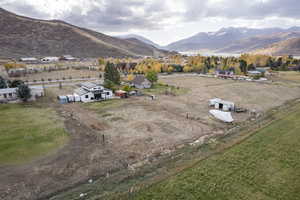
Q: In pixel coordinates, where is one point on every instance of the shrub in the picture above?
(23, 92)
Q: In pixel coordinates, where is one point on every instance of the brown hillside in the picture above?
(23, 36)
(286, 47)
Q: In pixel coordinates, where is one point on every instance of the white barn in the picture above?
(221, 104)
(90, 92)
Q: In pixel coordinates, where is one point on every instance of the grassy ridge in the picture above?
(27, 132)
(265, 166)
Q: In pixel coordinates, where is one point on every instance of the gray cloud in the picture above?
(242, 9)
(119, 15)
(22, 8)
(125, 15)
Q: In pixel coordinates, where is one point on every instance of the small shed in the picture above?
(62, 99)
(71, 98)
(121, 93)
(221, 104)
(76, 98)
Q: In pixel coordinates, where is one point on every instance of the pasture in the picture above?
(28, 132)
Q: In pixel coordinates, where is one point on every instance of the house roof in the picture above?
(62, 97)
(139, 79)
(254, 72)
(121, 91)
(50, 58)
(217, 100)
(88, 85)
(80, 91)
(28, 59)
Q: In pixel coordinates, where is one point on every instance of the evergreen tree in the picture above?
(15, 83)
(23, 92)
(3, 83)
(243, 66)
(111, 74)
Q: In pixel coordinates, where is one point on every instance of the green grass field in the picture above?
(27, 132)
(265, 166)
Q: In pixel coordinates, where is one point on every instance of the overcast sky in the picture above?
(162, 21)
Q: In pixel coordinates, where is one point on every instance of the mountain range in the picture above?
(23, 36)
(235, 40)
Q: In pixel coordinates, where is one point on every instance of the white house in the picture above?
(141, 82)
(221, 104)
(50, 59)
(90, 92)
(10, 94)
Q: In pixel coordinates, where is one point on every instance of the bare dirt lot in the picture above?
(125, 134)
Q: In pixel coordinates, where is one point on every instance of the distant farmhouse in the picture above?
(141, 82)
(50, 59)
(29, 60)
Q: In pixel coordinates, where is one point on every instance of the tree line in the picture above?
(209, 64)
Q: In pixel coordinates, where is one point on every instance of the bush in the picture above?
(23, 92)
(152, 76)
(127, 88)
(256, 77)
(15, 83)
